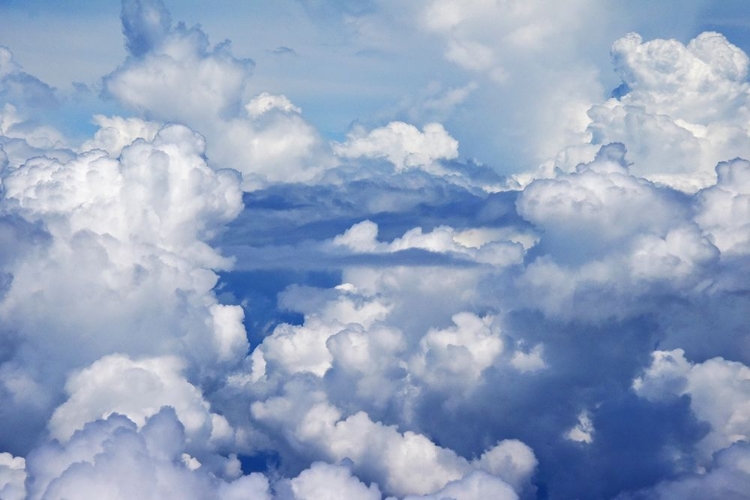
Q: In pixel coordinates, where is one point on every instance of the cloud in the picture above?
(12, 476)
(723, 208)
(209, 297)
(403, 463)
(434, 103)
(460, 352)
(726, 477)
(20, 88)
(124, 260)
(716, 390)
(500, 247)
(176, 76)
(402, 144)
(615, 246)
(24, 102)
(112, 458)
(521, 50)
(137, 389)
(474, 486)
(116, 132)
(144, 24)
(316, 482)
(684, 107)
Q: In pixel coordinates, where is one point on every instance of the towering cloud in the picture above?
(684, 107)
(174, 75)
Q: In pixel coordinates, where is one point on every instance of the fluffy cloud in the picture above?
(402, 463)
(473, 487)
(520, 49)
(12, 477)
(113, 458)
(116, 132)
(449, 356)
(500, 247)
(174, 75)
(403, 145)
(727, 477)
(615, 245)
(399, 321)
(315, 483)
(137, 389)
(684, 107)
(724, 209)
(125, 261)
(717, 390)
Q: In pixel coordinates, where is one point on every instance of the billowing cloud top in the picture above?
(208, 292)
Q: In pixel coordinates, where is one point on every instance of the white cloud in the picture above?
(125, 262)
(685, 109)
(718, 391)
(583, 432)
(529, 361)
(116, 132)
(475, 486)
(407, 463)
(177, 77)
(137, 389)
(596, 235)
(727, 476)
(510, 460)
(111, 458)
(35, 137)
(416, 328)
(497, 246)
(402, 144)
(459, 354)
(317, 481)
(12, 477)
(529, 52)
(724, 209)
(265, 102)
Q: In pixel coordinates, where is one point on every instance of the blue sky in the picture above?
(374, 249)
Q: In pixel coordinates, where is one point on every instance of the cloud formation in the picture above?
(209, 297)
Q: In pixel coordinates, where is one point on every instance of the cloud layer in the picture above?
(207, 297)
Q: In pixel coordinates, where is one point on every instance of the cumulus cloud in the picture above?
(12, 477)
(717, 393)
(137, 389)
(723, 208)
(684, 107)
(315, 483)
(726, 477)
(176, 76)
(475, 486)
(460, 352)
(403, 145)
(24, 100)
(615, 245)
(116, 132)
(207, 299)
(125, 261)
(403, 463)
(113, 458)
(521, 49)
(500, 247)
